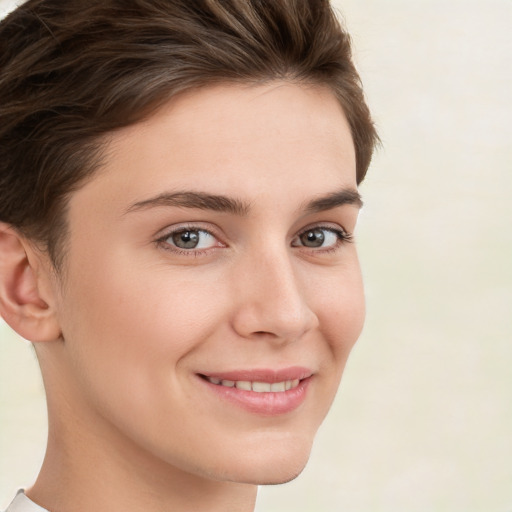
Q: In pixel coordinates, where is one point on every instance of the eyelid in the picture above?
(190, 225)
(329, 226)
(163, 235)
(342, 234)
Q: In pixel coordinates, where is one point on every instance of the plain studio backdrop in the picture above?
(423, 419)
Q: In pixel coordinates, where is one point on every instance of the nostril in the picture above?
(264, 334)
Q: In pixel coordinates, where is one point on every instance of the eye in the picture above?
(321, 237)
(191, 239)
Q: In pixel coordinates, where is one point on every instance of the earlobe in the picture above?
(22, 302)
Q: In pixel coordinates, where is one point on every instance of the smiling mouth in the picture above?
(263, 392)
(256, 386)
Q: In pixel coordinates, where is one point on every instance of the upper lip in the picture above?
(262, 374)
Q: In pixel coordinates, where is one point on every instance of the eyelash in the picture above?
(342, 236)
(162, 241)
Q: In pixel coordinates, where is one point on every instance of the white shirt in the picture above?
(23, 504)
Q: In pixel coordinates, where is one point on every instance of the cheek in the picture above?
(143, 314)
(127, 327)
(341, 311)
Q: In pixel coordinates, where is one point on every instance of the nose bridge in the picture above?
(271, 298)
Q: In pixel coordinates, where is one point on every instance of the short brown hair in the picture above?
(72, 71)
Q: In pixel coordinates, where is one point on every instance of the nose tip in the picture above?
(275, 319)
(272, 304)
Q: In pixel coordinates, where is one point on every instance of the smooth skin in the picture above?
(164, 282)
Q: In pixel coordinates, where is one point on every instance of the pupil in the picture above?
(186, 239)
(313, 238)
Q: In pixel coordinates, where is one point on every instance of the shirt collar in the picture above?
(23, 504)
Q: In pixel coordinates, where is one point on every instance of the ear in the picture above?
(25, 290)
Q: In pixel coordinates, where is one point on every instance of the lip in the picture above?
(267, 403)
(263, 375)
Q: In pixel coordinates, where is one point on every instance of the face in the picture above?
(212, 291)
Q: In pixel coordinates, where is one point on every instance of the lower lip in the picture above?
(266, 404)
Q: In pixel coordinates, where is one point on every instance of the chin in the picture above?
(272, 465)
(283, 478)
(269, 475)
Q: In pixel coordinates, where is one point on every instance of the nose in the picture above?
(271, 300)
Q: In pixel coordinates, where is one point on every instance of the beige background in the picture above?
(423, 421)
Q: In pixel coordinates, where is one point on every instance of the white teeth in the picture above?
(261, 387)
(258, 387)
(278, 387)
(243, 384)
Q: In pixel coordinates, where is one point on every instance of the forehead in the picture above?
(242, 139)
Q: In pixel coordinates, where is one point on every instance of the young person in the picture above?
(178, 196)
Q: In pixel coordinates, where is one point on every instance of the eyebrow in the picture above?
(220, 203)
(199, 200)
(333, 200)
